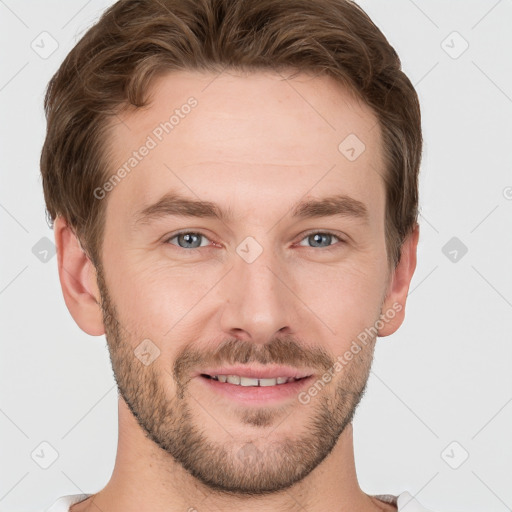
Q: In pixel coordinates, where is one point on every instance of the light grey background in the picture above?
(444, 377)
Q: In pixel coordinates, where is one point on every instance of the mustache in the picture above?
(284, 350)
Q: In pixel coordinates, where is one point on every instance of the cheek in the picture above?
(347, 298)
(156, 297)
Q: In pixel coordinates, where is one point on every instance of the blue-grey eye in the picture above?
(189, 240)
(320, 239)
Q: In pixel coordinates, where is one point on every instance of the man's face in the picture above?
(266, 288)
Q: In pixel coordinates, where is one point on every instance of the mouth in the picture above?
(238, 380)
(255, 385)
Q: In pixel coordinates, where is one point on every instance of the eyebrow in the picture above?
(173, 204)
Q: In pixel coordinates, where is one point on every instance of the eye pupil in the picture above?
(189, 238)
(318, 237)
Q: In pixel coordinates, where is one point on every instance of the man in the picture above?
(233, 186)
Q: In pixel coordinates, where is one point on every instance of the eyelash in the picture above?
(193, 249)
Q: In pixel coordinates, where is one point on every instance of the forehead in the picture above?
(245, 139)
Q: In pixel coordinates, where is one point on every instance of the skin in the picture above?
(254, 144)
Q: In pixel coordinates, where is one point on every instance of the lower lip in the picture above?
(257, 394)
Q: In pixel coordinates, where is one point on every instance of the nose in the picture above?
(258, 301)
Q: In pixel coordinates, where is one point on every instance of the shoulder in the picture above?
(64, 502)
(404, 502)
(407, 503)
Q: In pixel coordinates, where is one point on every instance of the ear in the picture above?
(393, 309)
(77, 276)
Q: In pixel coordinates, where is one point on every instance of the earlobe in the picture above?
(393, 309)
(78, 280)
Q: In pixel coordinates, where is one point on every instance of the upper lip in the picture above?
(257, 372)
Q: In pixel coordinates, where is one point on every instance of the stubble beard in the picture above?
(235, 466)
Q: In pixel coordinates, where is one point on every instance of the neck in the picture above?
(146, 478)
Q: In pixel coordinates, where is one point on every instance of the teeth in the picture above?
(246, 381)
(249, 381)
(233, 379)
(271, 382)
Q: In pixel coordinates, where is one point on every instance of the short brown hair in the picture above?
(135, 41)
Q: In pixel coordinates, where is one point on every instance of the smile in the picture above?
(239, 380)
